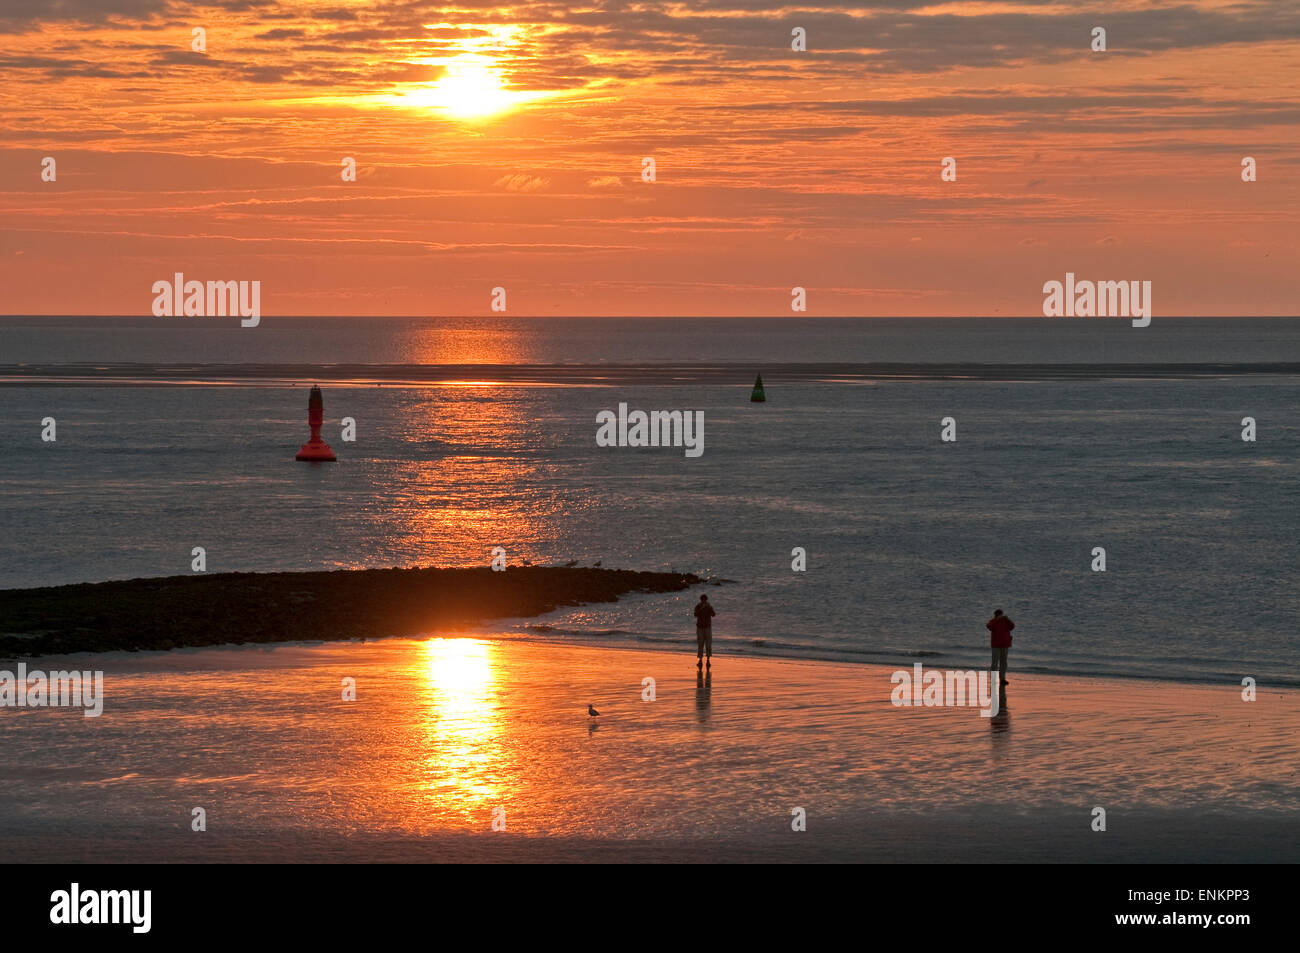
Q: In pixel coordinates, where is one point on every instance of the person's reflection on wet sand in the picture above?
(703, 694)
(1001, 722)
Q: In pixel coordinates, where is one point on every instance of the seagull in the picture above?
(596, 564)
(591, 711)
(570, 564)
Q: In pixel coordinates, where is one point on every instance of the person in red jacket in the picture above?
(1000, 638)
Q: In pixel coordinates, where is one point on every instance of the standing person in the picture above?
(999, 627)
(704, 630)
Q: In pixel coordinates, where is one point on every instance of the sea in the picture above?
(833, 521)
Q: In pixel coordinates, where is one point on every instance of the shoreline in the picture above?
(159, 614)
(680, 649)
(831, 656)
(340, 605)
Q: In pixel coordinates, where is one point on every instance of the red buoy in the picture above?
(316, 449)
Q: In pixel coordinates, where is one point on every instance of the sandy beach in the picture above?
(447, 735)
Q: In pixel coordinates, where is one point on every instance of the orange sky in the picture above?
(774, 168)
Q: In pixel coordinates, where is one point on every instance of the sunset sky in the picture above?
(502, 145)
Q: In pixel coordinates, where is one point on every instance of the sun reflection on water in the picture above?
(461, 725)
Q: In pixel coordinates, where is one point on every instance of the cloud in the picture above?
(522, 183)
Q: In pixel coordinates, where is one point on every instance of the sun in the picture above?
(471, 88)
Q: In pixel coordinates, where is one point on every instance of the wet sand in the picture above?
(447, 735)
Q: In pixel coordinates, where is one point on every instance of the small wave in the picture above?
(221, 779)
(556, 630)
(130, 776)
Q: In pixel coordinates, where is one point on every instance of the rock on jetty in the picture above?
(223, 608)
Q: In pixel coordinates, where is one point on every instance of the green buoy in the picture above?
(757, 395)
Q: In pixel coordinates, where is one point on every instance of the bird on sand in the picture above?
(596, 564)
(570, 564)
(591, 711)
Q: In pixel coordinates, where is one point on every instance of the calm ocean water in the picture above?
(504, 340)
(911, 542)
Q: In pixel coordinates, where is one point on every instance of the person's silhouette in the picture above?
(704, 631)
(999, 627)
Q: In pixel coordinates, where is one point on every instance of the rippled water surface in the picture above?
(910, 541)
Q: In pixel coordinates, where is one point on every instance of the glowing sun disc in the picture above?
(470, 88)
